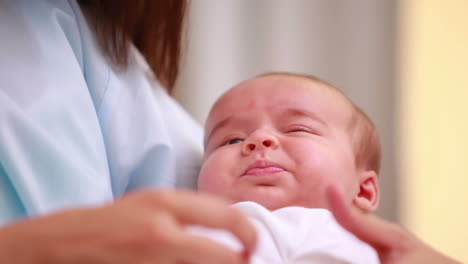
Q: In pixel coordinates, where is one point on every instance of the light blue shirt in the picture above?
(73, 130)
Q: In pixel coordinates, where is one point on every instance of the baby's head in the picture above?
(282, 139)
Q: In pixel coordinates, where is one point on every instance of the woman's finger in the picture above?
(191, 208)
(202, 250)
(372, 230)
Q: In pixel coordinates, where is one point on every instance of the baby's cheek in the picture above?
(317, 169)
(219, 171)
(211, 177)
(204, 178)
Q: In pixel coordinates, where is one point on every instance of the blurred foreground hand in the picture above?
(393, 243)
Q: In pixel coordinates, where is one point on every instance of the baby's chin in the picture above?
(273, 203)
(276, 206)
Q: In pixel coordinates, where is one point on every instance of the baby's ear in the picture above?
(367, 198)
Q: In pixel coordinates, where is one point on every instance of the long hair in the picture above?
(155, 27)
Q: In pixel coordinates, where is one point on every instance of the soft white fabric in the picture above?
(73, 130)
(296, 235)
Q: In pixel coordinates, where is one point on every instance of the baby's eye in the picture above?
(234, 141)
(302, 129)
(299, 129)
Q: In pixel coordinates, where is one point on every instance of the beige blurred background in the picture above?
(404, 62)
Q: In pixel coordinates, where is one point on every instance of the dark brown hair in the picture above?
(366, 143)
(154, 26)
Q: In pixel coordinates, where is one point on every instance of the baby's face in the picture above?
(279, 141)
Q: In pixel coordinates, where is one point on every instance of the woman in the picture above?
(83, 122)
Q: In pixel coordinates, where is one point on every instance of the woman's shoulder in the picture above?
(38, 26)
(43, 41)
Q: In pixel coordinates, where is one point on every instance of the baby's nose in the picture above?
(258, 142)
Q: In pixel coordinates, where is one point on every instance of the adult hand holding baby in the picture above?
(142, 227)
(393, 243)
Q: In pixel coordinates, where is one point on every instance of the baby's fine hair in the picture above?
(366, 143)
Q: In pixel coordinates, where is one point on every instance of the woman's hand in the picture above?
(143, 227)
(393, 243)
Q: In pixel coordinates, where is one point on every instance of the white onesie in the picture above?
(297, 235)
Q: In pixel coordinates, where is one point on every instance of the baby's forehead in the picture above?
(263, 85)
(300, 86)
(294, 88)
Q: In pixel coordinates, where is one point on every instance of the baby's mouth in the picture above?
(263, 167)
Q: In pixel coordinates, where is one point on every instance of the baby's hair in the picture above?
(366, 144)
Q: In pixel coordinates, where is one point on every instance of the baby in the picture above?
(274, 144)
